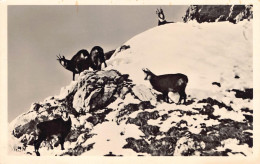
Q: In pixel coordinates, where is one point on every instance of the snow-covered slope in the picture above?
(116, 114)
(206, 53)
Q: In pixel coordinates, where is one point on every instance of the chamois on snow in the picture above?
(79, 62)
(161, 17)
(175, 83)
(59, 127)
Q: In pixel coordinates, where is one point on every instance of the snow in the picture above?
(225, 114)
(233, 144)
(206, 53)
(65, 90)
(108, 138)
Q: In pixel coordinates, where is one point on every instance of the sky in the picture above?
(36, 34)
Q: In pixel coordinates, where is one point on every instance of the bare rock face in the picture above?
(218, 13)
(98, 90)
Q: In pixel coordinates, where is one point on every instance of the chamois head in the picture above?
(64, 114)
(148, 74)
(160, 13)
(63, 61)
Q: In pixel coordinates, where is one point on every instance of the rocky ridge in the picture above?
(218, 13)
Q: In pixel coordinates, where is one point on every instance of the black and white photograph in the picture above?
(130, 80)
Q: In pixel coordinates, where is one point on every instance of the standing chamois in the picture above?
(59, 127)
(97, 58)
(168, 83)
(161, 17)
(78, 63)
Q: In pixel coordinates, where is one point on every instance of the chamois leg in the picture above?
(37, 144)
(62, 140)
(99, 67)
(182, 96)
(73, 76)
(165, 97)
(105, 63)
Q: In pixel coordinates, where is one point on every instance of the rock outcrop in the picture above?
(218, 13)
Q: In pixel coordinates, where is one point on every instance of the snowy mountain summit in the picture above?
(114, 112)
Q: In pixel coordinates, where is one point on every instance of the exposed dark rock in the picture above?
(189, 102)
(130, 108)
(78, 150)
(215, 102)
(162, 147)
(98, 117)
(218, 13)
(176, 132)
(248, 118)
(37, 106)
(139, 146)
(74, 134)
(225, 130)
(109, 54)
(164, 117)
(124, 47)
(247, 110)
(207, 110)
(68, 101)
(150, 130)
(237, 77)
(246, 94)
(215, 153)
(217, 84)
(142, 118)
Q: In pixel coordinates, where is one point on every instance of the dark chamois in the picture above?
(78, 63)
(161, 17)
(59, 127)
(168, 83)
(97, 58)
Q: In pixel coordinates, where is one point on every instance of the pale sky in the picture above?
(36, 34)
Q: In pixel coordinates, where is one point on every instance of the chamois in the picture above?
(168, 83)
(161, 17)
(79, 62)
(97, 58)
(59, 127)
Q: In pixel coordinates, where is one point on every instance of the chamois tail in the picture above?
(186, 79)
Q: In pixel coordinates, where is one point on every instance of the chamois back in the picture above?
(168, 83)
